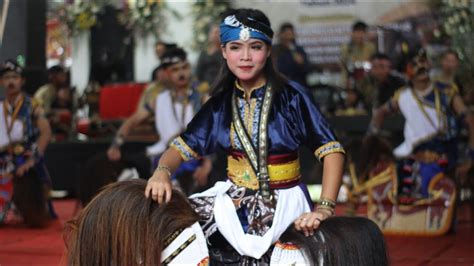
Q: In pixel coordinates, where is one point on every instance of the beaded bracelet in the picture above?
(326, 208)
(327, 202)
(165, 169)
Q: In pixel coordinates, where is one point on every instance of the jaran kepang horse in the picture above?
(376, 174)
(122, 227)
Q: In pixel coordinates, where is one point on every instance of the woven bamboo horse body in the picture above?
(379, 182)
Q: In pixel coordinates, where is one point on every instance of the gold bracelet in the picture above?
(327, 202)
(165, 169)
(327, 208)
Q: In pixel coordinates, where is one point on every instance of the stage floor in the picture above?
(23, 246)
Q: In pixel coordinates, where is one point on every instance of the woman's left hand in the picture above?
(309, 221)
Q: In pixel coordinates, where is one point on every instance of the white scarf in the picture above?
(290, 205)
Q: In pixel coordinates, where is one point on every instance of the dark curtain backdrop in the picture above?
(111, 50)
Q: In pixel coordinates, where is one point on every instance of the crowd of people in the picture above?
(247, 108)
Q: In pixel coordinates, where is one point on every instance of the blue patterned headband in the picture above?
(232, 29)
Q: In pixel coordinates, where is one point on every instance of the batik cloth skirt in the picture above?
(241, 228)
(28, 193)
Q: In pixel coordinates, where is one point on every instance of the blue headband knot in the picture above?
(232, 29)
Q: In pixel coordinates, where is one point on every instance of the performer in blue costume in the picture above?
(434, 112)
(24, 136)
(260, 119)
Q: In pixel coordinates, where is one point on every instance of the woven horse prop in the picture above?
(374, 173)
(120, 226)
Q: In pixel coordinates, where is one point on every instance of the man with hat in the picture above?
(173, 109)
(432, 113)
(158, 77)
(24, 136)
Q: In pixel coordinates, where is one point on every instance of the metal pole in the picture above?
(3, 19)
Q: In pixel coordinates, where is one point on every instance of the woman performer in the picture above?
(260, 119)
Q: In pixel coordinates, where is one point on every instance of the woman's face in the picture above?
(246, 59)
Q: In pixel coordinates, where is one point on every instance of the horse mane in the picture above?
(120, 226)
(342, 241)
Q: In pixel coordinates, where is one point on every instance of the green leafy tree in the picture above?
(457, 24)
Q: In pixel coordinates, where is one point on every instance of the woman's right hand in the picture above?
(159, 187)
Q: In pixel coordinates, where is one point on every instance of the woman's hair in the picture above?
(226, 78)
(122, 227)
(342, 241)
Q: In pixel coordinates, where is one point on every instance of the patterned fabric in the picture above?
(328, 148)
(6, 194)
(183, 149)
(232, 29)
(283, 169)
(256, 216)
(431, 216)
(416, 173)
(250, 113)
